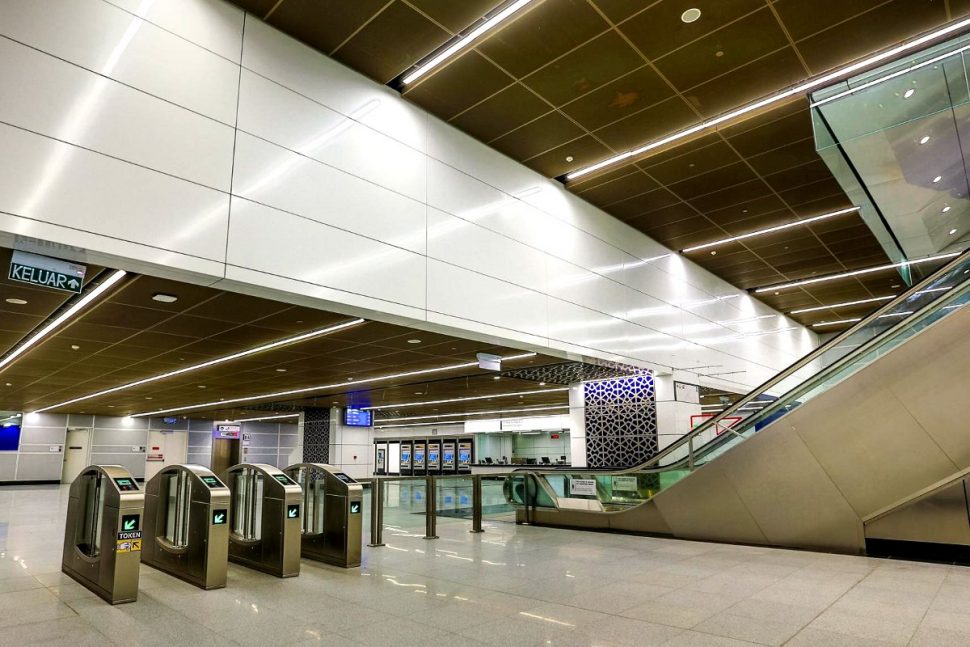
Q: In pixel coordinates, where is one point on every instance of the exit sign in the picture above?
(47, 272)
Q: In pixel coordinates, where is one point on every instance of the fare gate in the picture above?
(186, 528)
(264, 516)
(332, 511)
(102, 539)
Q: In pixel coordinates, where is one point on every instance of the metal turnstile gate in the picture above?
(264, 516)
(186, 531)
(102, 540)
(332, 511)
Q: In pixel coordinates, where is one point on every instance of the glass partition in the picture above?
(247, 504)
(178, 495)
(88, 538)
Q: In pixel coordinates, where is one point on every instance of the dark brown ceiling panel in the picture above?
(543, 34)
(465, 82)
(639, 89)
(392, 42)
(323, 24)
(504, 111)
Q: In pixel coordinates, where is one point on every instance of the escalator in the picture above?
(869, 425)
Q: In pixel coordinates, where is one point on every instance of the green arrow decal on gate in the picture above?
(292, 512)
(220, 518)
(130, 524)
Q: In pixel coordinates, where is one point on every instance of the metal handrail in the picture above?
(688, 438)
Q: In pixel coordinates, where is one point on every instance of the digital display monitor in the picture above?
(357, 417)
(449, 457)
(433, 457)
(284, 479)
(419, 457)
(9, 437)
(464, 456)
(405, 457)
(126, 484)
(212, 481)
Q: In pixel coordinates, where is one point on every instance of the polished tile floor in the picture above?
(512, 585)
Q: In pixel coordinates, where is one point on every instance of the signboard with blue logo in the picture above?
(47, 272)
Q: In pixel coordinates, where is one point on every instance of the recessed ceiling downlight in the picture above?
(690, 15)
(164, 298)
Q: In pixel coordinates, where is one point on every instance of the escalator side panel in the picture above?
(784, 489)
(858, 439)
(705, 505)
(644, 518)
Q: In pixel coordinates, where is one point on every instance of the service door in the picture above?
(165, 448)
(75, 454)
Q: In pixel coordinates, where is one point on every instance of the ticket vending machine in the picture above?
(380, 460)
(333, 509)
(418, 464)
(406, 467)
(264, 516)
(186, 531)
(434, 457)
(464, 457)
(448, 465)
(102, 539)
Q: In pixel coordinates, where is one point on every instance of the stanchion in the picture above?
(377, 513)
(477, 504)
(430, 521)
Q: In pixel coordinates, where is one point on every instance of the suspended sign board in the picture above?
(47, 272)
(226, 430)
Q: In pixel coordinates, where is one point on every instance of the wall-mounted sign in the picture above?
(625, 483)
(554, 436)
(47, 272)
(155, 458)
(684, 392)
(489, 362)
(354, 417)
(582, 487)
(170, 420)
(226, 430)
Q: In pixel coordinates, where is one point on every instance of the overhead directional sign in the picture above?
(47, 272)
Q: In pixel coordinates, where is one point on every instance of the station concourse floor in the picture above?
(512, 585)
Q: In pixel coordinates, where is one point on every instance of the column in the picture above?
(675, 407)
(351, 448)
(313, 429)
(577, 425)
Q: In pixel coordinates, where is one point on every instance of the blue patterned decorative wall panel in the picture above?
(621, 421)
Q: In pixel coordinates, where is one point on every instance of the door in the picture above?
(165, 448)
(225, 454)
(75, 454)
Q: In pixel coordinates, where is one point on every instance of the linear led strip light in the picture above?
(770, 230)
(774, 98)
(905, 313)
(65, 316)
(467, 399)
(868, 270)
(213, 362)
(474, 413)
(462, 42)
(844, 304)
(287, 415)
(323, 387)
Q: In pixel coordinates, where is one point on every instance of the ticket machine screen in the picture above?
(405, 457)
(464, 456)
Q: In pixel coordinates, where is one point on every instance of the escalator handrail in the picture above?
(820, 350)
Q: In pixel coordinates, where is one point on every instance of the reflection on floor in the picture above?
(512, 585)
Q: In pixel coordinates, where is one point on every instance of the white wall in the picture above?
(161, 136)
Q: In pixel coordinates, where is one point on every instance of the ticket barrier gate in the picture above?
(333, 505)
(102, 540)
(186, 529)
(264, 517)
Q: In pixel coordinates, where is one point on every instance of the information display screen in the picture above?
(432, 458)
(464, 456)
(284, 479)
(405, 457)
(357, 417)
(126, 484)
(212, 481)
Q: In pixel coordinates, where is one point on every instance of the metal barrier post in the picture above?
(477, 503)
(430, 501)
(377, 512)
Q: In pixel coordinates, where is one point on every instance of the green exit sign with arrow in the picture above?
(293, 511)
(219, 517)
(47, 272)
(129, 522)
